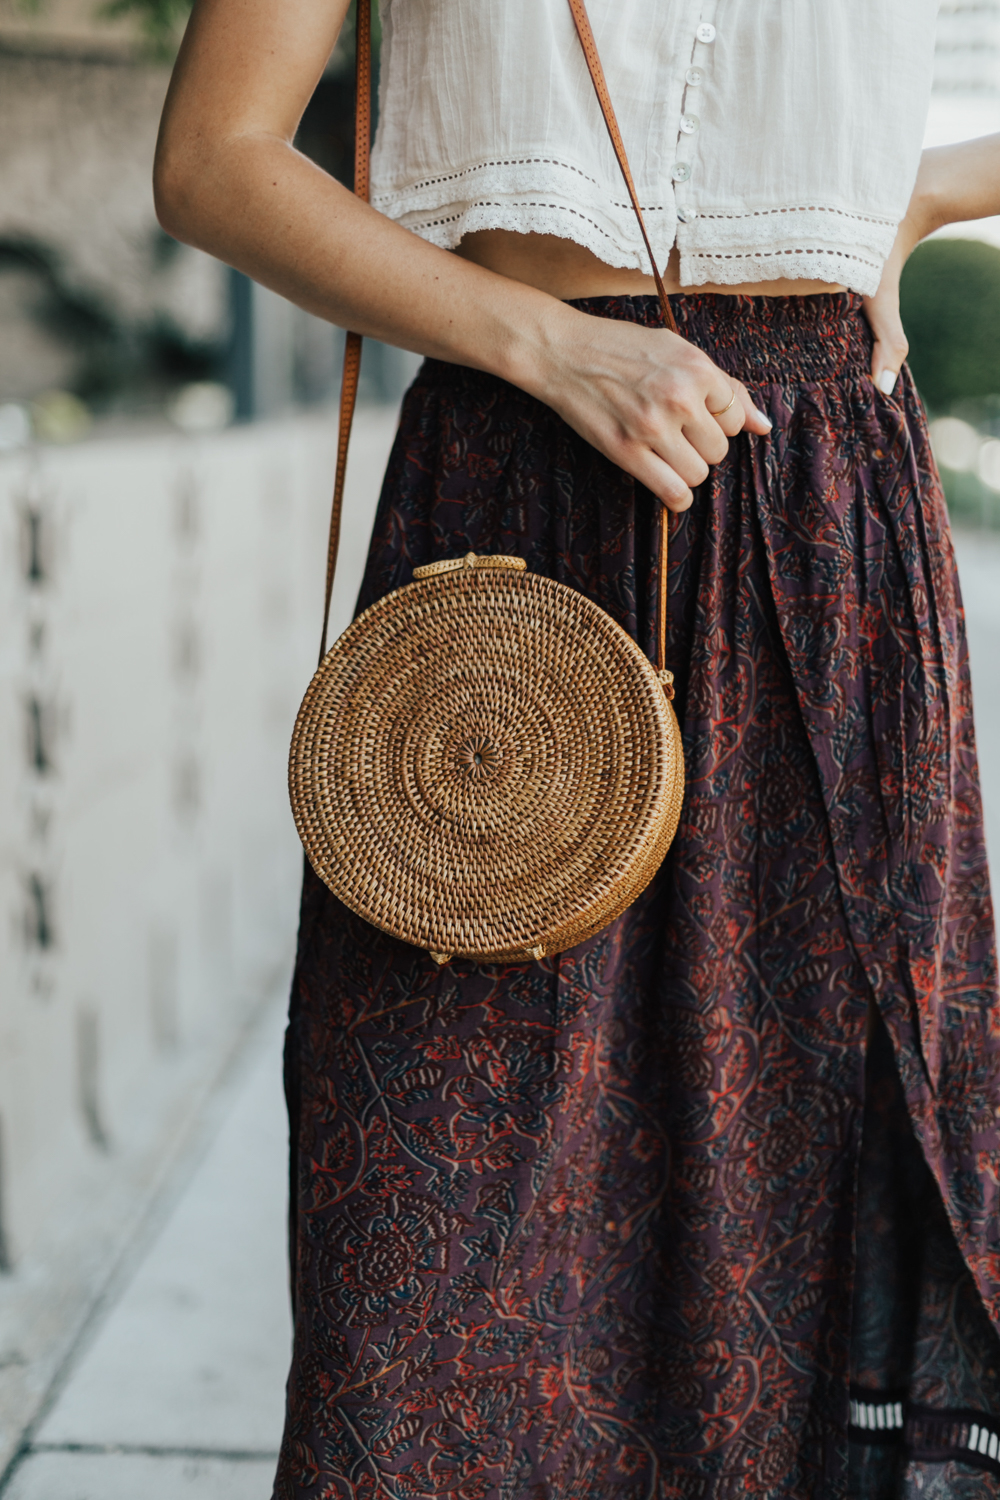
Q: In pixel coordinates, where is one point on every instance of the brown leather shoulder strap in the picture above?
(585, 33)
(352, 346)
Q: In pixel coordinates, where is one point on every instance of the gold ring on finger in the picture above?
(722, 413)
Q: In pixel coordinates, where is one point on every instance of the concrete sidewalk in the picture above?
(179, 1391)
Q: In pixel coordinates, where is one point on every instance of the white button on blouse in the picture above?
(795, 157)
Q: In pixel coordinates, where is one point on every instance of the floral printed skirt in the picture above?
(629, 1223)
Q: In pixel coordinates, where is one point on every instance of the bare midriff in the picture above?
(567, 270)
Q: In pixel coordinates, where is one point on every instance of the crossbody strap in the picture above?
(352, 346)
(585, 32)
(352, 349)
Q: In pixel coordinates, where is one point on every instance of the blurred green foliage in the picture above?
(162, 23)
(117, 363)
(950, 305)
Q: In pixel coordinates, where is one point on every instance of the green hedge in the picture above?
(950, 304)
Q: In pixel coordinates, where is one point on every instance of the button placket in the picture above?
(705, 33)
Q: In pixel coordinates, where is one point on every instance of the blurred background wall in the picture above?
(166, 451)
(167, 446)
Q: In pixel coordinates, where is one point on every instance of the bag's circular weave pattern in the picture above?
(485, 764)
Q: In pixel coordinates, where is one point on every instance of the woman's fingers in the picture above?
(732, 419)
(739, 412)
(890, 347)
(887, 360)
(661, 479)
(710, 434)
(706, 436)
(722, 402)
(882, 311)
(675, 460)
(754, 420)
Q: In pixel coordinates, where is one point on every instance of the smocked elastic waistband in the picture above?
(761, 340)
(778, 339)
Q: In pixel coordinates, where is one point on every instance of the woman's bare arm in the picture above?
(229, 180)
(954, 184)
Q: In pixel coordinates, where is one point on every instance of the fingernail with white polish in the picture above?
(763, 416)
(886, 382)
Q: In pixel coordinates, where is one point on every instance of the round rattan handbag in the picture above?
(485, 764)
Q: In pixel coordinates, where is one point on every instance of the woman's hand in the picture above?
(954, 184)
(882, 310)
(651, 402)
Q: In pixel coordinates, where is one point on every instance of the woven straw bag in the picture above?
(485, 764)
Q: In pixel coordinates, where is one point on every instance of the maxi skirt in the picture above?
(595, 1228)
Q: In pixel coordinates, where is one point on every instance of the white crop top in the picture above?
(769, 138)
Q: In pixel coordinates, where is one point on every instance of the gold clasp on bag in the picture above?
(470, 560)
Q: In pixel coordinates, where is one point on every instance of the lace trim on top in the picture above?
(781, 228)
(799, 208)
(417, 189)
(819, 264)
(531, 217)
(840, 265)
(545, 195)
(504, 175)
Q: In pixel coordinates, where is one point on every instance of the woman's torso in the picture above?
(774, 143)
(567, 270)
